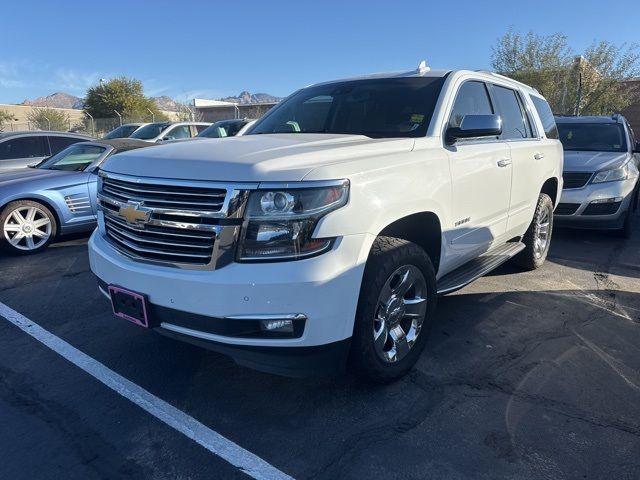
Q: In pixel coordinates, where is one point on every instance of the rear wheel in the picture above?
(395, 310)
(27, 227)
(537, 238)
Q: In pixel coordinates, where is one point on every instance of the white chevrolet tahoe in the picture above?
(325, 235)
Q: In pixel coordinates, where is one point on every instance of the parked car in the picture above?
(55, 197)
(601, 159)
(221, 129)
(20, 149)
(224, 128)
(163, 131)
(327, 232)
(124, 131)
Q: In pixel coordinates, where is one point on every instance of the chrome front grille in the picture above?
(183, 224)
(162, 244)
(181, 197)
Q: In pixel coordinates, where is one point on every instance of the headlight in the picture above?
(280, 222)
(614, 175)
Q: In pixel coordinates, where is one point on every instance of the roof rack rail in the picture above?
(504, 77)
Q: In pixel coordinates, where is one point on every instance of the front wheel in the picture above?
(395, 310)
(27, 227)
(537, 239)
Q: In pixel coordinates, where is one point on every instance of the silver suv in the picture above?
(601, 158)
(23, 148)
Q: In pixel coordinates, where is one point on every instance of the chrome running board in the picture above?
(478, 267)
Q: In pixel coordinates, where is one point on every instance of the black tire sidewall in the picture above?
(10, 207)
(388, 254)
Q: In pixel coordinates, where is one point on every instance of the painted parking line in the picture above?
(224, 448)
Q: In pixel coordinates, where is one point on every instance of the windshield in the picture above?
(121, 132)
(592, 137)
(74, 158)
(223, 129)
(150, 131)
(387, 107)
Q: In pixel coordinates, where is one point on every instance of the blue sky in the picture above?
(210, 49)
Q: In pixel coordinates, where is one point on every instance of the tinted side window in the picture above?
(60, 143)
(200, 128)
(513, 126)
(472, 99)
(546, 116)
(24, 147)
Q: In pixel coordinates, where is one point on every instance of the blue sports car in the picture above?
(55, 197)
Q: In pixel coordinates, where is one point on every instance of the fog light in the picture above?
(607, 200)
(285, 326)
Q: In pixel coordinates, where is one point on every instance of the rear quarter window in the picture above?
(546, 116)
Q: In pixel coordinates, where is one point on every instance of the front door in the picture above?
(481, 180)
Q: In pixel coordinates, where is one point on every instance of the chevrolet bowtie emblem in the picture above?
(134, 213)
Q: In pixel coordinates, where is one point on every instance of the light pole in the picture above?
(48, 121)
(235, 106)
(119, 116)
(153, 117)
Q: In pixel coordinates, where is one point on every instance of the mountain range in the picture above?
(66, 100)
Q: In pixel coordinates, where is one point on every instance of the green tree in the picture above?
(588, 84)
(5, 118)
(124, 95)
(45, 118)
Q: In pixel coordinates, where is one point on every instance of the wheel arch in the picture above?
(42, 200)
(422, 228)
(550, 187)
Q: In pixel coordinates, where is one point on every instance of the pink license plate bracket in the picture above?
(129, 305)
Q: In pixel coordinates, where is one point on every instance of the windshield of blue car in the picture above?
(592, 137)
(379, 108)
(221, 129)
(74, 158)
(150, 131)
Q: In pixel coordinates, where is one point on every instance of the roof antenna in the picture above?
(422, 67)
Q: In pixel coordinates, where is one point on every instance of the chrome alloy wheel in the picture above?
(402, 305)
(27, 228)
(542, 232)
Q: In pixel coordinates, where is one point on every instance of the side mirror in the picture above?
(474, 126)
(637, 147)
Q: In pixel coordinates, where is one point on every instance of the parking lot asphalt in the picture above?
(526, 375)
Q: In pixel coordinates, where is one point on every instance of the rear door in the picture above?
(16, 152)
(481, 179)
(526, 156)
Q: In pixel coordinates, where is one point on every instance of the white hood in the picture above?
(251, 158)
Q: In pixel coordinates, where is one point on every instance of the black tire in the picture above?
(530, 258)
(8, 210)
(387, 255)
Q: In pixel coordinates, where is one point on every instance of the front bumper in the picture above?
(325, 289)
(579, 203)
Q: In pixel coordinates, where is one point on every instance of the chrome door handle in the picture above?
(505, 162)
(539, 156)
